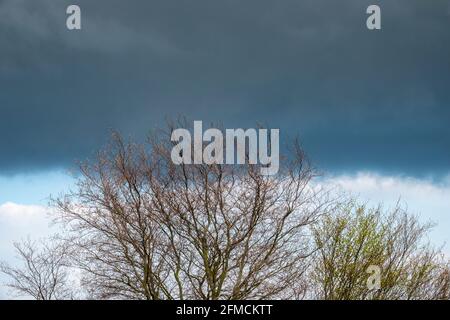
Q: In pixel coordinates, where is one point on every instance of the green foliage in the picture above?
(356, 237)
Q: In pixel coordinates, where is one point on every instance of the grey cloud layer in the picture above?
(359, 99)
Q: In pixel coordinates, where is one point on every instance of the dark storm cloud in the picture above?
(359, 99)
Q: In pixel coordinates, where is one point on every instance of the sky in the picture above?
(372, 108)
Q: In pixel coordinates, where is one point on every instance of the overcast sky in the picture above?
(360, 99)
(371, 107)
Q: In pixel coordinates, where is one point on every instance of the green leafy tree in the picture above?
(356, 237)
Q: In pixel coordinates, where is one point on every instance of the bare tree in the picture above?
(356, 237)
(145, 228)
(43, 273)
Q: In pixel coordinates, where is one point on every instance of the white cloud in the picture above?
(17, 212)
(19, 221)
